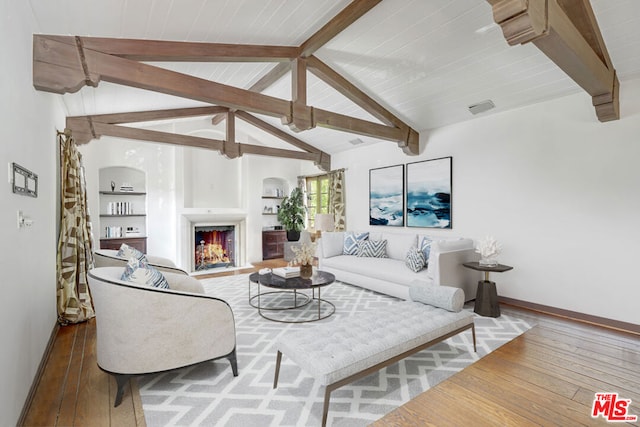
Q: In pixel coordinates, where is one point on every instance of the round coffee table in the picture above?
(292, 286)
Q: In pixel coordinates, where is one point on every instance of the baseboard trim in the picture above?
(38, 376)
(604, 322)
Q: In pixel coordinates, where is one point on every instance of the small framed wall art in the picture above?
(429, 193)
(386, 196)
(25, 182)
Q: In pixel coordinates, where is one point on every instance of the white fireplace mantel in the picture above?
(197, 215)
(191, 217)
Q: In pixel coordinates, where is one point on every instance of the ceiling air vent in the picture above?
(356, 141)
(481, 107)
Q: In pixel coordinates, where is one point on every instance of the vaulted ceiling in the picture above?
(424, 62)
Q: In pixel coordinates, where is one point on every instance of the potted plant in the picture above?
(291, 214)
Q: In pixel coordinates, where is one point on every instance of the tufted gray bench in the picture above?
(342, 351)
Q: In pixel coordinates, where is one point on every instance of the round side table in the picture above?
(487, 296)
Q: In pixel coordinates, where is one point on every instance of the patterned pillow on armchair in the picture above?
(128, 252)
(140, 272)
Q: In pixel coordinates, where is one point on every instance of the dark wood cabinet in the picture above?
(140, 243)
(273, 244)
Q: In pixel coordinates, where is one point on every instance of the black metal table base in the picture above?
(319, 302)
(324, 308)
(305, 300)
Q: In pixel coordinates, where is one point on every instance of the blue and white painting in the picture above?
(386, 196)
(429, 193)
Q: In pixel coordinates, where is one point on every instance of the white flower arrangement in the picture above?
(304, 253)
(489, 249)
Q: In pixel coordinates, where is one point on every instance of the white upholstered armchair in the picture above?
(142, 329)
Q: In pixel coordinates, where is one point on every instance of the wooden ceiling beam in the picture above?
(335, 121)
(320, 158)
(299, 81)
(278, 133)
(231, 148)
(342, 20)
(277, 152)
(96, 66)
(351, 92)
(566, 31)
(117, 131)
(152, 115)
(81, 125)
(172, 51)
(275, 74)
(87, 60)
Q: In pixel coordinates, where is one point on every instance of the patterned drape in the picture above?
(75, 248)
(337, 199)
(302, 184)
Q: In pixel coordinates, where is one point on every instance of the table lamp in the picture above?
(324, 222)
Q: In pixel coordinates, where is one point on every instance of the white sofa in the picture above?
(390, 275)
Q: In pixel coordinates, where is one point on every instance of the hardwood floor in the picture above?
(547, 376)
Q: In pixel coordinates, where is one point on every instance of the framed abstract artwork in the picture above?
(429, 193)
(386, 196)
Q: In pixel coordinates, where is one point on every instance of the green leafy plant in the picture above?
(292, 213)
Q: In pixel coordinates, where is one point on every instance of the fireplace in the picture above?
(215, 246)
(196, 222)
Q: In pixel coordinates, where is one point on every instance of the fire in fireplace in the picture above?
(214, 246)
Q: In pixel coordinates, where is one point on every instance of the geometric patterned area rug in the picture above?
(208, 395)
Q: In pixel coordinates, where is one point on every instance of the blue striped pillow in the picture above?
(415, 259)
(140, 272)
(372, 248)
(351, 240)
(425, 247)
(128, 252)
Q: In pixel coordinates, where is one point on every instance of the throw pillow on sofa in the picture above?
(128, 252)
(141, 273)
(351, 239)
(415, 259)
(332, 243)
(446, 297)
(425, 247)
(372, 248)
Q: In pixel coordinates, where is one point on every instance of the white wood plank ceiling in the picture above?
(425, 60)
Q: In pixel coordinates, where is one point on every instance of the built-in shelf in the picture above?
(122, 207)
(274, 190)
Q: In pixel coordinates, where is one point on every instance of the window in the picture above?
(317, 196)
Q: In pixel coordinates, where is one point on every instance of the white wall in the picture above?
(28, 256)
(556, 187)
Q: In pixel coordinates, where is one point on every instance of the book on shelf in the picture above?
(287, 272)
